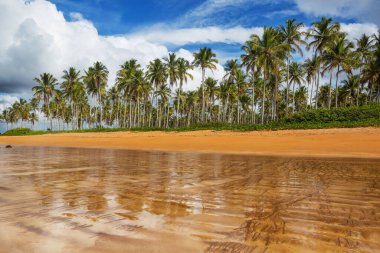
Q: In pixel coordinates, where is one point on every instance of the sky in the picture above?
(49, 36)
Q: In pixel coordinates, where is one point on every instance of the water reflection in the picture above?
(75, 200)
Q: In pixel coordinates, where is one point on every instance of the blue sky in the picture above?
(122, 17)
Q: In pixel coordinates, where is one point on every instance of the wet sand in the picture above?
(358, 142)
(56, 200)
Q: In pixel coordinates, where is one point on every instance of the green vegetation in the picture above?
(264, 89)
(366, 116)
(348, 114)
(22, 131)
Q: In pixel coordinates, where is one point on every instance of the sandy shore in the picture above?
(357, 142)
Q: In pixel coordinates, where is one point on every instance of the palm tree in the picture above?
(300, 98)
(97, 75)
(46, 89)
(322, 33)
(270, 52)
(311, 66)
(183, 74)
(172, 68)
(365, 47)
(164, 92)
(353, 83)
(157, 74)
(205, 59)
(296, 74)
(211, 89)
(339, 55)
(70, 87)
(124, 79)
(249, 60)
(241, 88)
(291, 35)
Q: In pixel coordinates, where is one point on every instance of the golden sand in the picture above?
(357, 142)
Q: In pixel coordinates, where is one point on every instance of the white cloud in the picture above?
(355, 30)
(6, 101)
(363, 10)
(36, 38)
(211, 34)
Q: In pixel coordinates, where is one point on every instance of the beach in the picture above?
(354, 142)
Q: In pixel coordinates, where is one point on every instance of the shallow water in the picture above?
(82, 200)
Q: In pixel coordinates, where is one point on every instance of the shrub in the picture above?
(22, 131)
(18, 131)
(336, 115)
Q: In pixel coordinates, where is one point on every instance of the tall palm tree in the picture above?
(205, 59)
(70, 86)
(291, 35)
(45, 89)
(321, 34)
(163, 92)
(339, 55)
(98, 76)
(172, 68)
(241, 88)
(296, 76)
(249, 60)
(270, 53)
(365, 46)
(184, 67)
(157, 74)
(124, 79)
(311, 66)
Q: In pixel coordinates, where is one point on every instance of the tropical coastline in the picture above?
(189, 126)
(353, 142)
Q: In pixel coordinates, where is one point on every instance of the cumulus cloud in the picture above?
(36, 38)
(363, 10)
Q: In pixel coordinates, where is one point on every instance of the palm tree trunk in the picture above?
(138, 111)
(287, 87)
(130, 114)
(238, 110)
(294, 94)
(203, 95)
(330, 89)
(317, 86)
(178, 102)
(263, 99)
(336, 88)
(125, 114)
(253, 105)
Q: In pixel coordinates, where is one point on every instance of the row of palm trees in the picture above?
(265, 85)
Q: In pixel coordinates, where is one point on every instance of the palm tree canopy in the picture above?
(172, 68)
(322, 32)
(205, 59)
(46, 87)
(291, 34)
